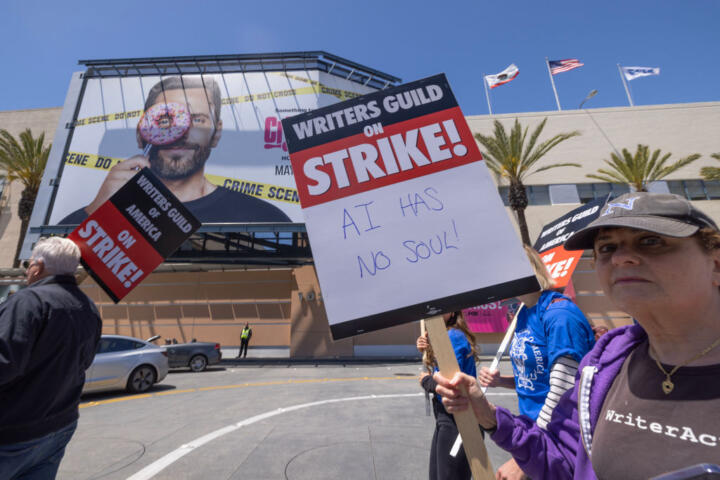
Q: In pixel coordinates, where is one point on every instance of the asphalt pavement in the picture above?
(264, 420)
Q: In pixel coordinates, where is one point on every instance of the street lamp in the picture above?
(589, 96)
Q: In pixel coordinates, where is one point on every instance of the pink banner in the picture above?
(488, 318)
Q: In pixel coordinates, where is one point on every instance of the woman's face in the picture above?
(640, 270)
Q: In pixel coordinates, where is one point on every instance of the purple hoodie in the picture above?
(563, 451)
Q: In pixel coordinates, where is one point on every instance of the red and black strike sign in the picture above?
(379, 139)
(561, 263)
(132, 233)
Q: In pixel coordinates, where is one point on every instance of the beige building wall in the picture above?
(682, 129)
(42, 120)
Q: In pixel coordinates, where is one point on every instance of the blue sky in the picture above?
(41, 42)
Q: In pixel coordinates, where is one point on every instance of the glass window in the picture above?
(619, 189)
(585, 192)
(108, 345)
(713, 189)
(676, 187)
(563, 193)
(538, 194)
(503, 191)
(695, 190)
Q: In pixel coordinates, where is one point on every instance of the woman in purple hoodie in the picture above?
(647, 396)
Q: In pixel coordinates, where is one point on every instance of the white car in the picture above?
(125, 363)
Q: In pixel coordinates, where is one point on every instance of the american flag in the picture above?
(559, 66)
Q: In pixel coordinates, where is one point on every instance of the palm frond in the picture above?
(555, 165)
(710, 173)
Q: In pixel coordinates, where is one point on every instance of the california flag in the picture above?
(503, 77)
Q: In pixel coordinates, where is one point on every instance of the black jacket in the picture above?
(49, 333)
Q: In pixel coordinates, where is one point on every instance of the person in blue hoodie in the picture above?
(646, 399)
(443, 466)
(552, 335)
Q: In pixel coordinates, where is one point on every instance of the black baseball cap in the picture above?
(664, 213)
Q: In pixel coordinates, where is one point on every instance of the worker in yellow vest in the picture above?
(245, 337)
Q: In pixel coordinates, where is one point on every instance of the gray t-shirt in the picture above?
(642, 432)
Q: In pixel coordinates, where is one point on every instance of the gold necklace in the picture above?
(667, 384)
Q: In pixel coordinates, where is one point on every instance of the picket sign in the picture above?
(493, 366)
(466, 421)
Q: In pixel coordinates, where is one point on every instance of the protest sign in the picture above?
(403, 217)
(550, 244)
(125, 239)
(488, 318)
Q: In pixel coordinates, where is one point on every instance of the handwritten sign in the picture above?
(561, 263)
(125, 239)
(403, 217)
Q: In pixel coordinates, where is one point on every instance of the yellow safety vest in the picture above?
(245, 333)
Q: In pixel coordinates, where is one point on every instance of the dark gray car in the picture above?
(194, 355)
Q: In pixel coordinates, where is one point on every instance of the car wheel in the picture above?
(141, 379)
(198, 363)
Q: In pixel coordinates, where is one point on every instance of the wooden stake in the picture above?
(422, 333)
(466, 422)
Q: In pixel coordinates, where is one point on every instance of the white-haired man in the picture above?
(49, 333)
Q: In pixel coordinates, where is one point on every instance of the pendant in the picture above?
(667, 386)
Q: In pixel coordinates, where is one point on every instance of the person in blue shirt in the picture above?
(442, 465)
(552, 335)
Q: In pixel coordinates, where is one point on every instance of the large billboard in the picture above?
(215, 141)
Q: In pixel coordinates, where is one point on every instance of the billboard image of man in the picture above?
(181, 164)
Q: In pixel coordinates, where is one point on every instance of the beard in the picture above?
(176, 166)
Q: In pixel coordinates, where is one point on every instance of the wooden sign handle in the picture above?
(425, 354)
(466, 422)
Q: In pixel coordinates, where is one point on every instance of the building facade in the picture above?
(284, 304)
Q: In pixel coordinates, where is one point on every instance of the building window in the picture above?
(695, 189)
(587, 192)
(537, 194)
(592, 191)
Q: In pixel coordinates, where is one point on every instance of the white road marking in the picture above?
(162, 463)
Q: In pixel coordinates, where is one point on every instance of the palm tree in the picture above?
(24, 160)
(711, 173)
(640, 169)
(511, 159)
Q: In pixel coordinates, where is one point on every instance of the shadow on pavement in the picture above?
(100, 396)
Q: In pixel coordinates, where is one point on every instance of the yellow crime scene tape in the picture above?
(266, 191)
(313, 90)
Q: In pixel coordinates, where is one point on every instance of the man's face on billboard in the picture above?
(187, 155)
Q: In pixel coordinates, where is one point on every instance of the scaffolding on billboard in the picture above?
(270, 244)
(264, 62)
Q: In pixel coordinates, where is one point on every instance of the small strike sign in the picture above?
(132, 233)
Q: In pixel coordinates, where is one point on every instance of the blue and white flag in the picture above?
(631, 73)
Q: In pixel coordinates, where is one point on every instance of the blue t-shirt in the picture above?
(463, 353)
(543, 334)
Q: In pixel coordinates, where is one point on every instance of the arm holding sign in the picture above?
(492, 378)
(540, 453)
(116, 178)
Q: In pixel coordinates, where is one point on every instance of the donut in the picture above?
(164, 123)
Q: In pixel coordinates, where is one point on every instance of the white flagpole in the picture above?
(487, 94)
(627, 91)
(552, 82)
